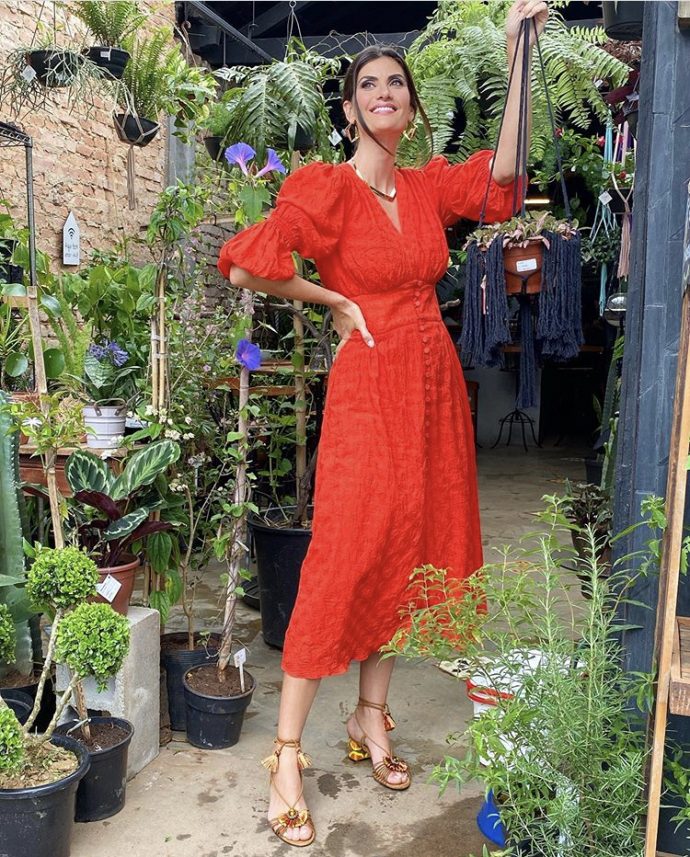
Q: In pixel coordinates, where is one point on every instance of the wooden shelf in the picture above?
(679, 690)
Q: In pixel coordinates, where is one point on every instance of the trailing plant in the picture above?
(563, 749)
(112, 22)
(124, 502)
(519, 231)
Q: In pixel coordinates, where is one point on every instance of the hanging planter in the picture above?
(112, 60)
(135, 130)
(54, 68)
(623, 19)
(215, 147)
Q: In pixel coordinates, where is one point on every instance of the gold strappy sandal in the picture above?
(293, 817)
(358, 751)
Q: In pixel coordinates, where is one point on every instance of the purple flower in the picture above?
(239, 154)
(273, 164)
(98, 351)
(117, 354)
(248, 354)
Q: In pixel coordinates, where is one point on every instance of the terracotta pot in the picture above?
(523, 268)
(125, 575)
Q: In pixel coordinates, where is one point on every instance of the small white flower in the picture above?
(130, 415)
(170, 422)
(172, 434)
(188, 420)
(149, 410)
(33, 422)
(188, 435)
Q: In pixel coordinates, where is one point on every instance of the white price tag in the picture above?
(240, 657)
(605, 198)
(526, 265)
(334, 137)
(28, 73)
(108, 588)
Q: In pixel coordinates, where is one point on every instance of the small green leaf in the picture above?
(54, 361)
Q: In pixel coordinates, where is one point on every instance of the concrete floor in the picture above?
(208, 804)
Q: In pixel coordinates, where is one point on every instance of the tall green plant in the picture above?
(110, 22)
(461, 56)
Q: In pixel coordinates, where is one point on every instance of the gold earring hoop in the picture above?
(351, 133)
(410, 132)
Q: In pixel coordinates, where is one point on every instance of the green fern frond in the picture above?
(110, 22)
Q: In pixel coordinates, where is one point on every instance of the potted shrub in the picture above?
(125, 503)
(39, 774)
(110, 24)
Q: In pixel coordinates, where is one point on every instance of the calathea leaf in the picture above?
(125, 525)
(144, 466)
(101, 502)
(88, 472)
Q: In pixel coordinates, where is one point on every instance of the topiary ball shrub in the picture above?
(61, 577)
(93, 640)
(8, 638)
(12, 750)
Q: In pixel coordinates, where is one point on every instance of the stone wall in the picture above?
(79, 162)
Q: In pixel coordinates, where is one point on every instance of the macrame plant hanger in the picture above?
(485, 329)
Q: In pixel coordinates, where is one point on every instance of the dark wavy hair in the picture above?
(374, 52)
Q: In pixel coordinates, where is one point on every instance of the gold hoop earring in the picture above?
(410, 132)
(351, 133)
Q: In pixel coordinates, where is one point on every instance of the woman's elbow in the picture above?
(239, 277)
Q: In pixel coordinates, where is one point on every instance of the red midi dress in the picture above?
(395, 483)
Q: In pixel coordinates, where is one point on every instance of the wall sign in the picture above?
(70, 241)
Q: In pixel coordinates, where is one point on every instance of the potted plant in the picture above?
(39, 774)
(111, 24)
(572, 727)
(217, 128)
(588, 510)
(144, 96)
(108, 383)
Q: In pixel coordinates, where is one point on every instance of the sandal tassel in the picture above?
(388, 721)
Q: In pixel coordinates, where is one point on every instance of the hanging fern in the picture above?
(110, 22)
(465, 43)
(144, 77)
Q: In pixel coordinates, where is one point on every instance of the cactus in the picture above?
(11, 544)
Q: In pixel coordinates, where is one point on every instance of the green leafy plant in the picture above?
(62, 578)
(563, 749)
(110, 22)
(11, 741)
(93, 640)
(8, 636)
(125, 502)
(519, 231)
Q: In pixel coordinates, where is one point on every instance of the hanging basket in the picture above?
(53, 68)
(523, 268)
(134, 129)
(113, 60)
(623, 19)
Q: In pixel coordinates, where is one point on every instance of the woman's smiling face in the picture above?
(383, 99)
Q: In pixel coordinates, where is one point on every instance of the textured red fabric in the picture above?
(395, 480)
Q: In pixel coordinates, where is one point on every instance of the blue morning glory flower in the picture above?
(273, 164)
(248, 354)
(240, 154)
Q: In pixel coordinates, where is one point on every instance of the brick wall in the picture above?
(79, 162)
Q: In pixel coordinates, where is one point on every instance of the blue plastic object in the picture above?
(489, 821)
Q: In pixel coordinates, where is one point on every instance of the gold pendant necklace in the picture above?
(389, 197)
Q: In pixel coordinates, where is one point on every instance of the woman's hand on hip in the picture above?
(348, 318)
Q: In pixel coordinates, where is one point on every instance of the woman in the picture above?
(395, 479)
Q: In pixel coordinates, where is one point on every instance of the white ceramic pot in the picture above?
(105, 425)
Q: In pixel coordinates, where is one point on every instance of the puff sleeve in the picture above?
(460, 189)
(306, 218)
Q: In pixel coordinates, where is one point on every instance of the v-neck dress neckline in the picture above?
(372, 196)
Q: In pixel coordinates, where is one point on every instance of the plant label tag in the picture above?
(105, 54)
(28, 73)
(108, 588)
(240, 657)
(605, 198)
(526, 265)
(334, 137)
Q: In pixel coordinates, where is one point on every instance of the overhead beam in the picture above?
(204, 10)
(280, 12)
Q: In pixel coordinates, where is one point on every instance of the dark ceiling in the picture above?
(256, 31)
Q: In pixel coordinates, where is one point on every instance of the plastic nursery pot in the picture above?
(105, 425)
(54, 68)
(113, 60)
(523, 268)
(124, 574)
(38, 821)
(176, 659)
(489, 821)
(280, 552)
(623, 20)
(215, 722)
(135, 130)
(47, 709)
(102, 791)
(21, 703)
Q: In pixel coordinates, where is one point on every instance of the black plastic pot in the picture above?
(9, 273)
(54, 68)
(21, 703)
(176, 662)
(102, 792)
(215, 722)
(215, 147)
(47, 709)
(38, 821)
(113, 60)
(623, 19)
(135, 129)
(593, 470)
(280, 552)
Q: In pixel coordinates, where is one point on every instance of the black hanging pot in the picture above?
(176, 659)
(9, 273)
(304, 140)
(20, 703)
(38, 821)
(215, 722)
(102, 791)
(135, 130)
(623, 19)
(215, 147)
(113, 60)
(203, 37)
(280, 552)
(54, 68)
